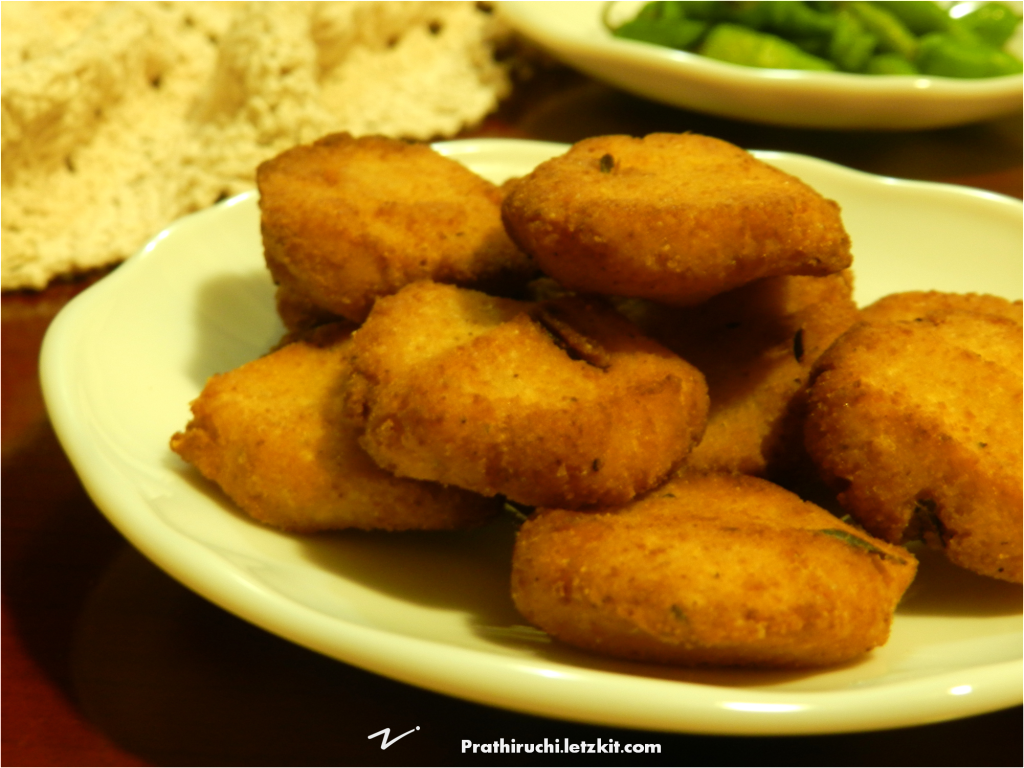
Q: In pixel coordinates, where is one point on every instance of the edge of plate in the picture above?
(797, 97)
(538, 688)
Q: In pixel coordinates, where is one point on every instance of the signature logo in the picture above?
(386, 742)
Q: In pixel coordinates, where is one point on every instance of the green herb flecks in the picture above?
(520, 513)
(855, 541)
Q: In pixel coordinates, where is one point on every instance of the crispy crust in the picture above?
(272, 434)
(298, 313)
(674, 218)
(710, 569)
(346, 220)
(916, 305)
(918, 425)
(755, 346)
(560, 402)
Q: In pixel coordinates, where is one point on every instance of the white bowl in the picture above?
(122, 361)
(575, 33)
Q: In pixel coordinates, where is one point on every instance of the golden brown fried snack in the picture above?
(710, 569)
(755, 346)
(915, 305)
(346, 220)
(561, 402)
(673, 218)
(272, 434)
(918, 425)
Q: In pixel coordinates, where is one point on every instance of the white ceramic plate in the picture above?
(122, 361)
(574, 33)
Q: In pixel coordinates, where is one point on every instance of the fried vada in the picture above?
(710, 569)
(916, 305)
(273, 436)
(345, 220)
(917, 424)
(676, 218)
(755, 346)
(561, 402)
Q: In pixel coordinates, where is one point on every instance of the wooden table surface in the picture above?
(107, 661)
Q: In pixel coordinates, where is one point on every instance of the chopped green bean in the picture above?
(663, 23)
(739, 45)
(792, 19)
(754, 15)
(665, 11)
(918, 16)
(851, 46)
(890, 64)
(948, 57)
(680, 33)
(992, 23)
(879, 37)
(816, 46)
(892, 33)
(705, 10)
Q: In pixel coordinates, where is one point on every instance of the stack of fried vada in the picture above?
(756, 346)
(694, 328)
